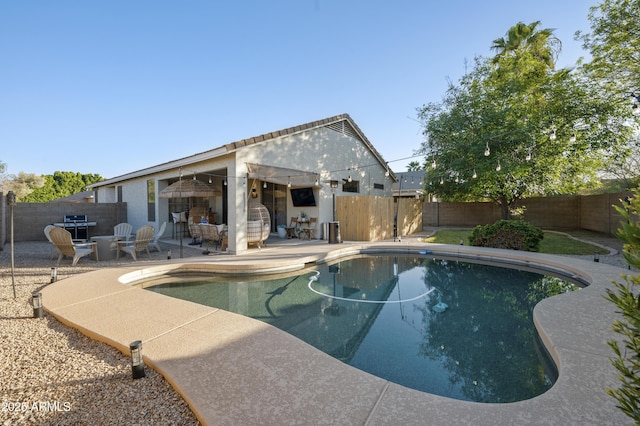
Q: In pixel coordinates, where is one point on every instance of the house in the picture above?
(409, 184)
(290, 171)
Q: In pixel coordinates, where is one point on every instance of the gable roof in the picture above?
(342, 123)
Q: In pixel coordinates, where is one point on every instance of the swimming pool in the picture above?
(456, 329)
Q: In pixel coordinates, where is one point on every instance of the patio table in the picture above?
(106, 246)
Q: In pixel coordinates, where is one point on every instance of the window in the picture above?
(353, 186)
(378, 186)
(151, 200)
(119, 188)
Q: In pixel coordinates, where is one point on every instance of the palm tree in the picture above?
(414, 166)
(520, 38)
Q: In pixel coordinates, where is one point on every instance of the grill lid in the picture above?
(73, 218)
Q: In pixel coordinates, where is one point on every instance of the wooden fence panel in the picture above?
(370, 218)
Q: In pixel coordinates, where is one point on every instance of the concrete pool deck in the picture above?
(235, 370)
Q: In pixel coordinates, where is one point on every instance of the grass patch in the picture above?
(552, 243)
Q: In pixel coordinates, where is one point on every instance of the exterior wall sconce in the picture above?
(596, 256)
(137, 364)
(54, 274)
(36, 299)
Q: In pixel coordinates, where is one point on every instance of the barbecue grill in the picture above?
(77, 224)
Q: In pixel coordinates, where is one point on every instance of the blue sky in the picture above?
(116, 86)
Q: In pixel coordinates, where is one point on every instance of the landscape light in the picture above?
(36, 299)
(137, 364)
(54, 274)
(596, 256)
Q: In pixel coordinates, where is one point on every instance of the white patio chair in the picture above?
(144, 235)
(54, 249)
(61, 238)
(123, 230)
(155, 240)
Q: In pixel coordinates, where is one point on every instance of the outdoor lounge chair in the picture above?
(144, 235)
(155, 240)
(123, 230)
(47, 231)
(61, 238)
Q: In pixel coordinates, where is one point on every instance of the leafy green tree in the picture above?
(614, 44)
(514, 127)
(60, 184)
(627, 300)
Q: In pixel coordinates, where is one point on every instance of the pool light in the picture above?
(137, 364)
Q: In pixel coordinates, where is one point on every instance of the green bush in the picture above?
(627, 346)
(507, 234)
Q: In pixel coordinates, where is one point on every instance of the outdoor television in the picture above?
(303, 197)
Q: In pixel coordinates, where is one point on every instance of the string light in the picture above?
(475, 175)
(573, 137)
(487, 151)
(498, 168)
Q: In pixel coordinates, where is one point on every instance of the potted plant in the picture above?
(282, 232)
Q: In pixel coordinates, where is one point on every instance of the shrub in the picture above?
(507, 234)
(627, 347)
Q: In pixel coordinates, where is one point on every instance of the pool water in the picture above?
(457, 329)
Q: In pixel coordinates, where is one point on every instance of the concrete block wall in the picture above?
(553, 212)
(590, 212)
(29, 219)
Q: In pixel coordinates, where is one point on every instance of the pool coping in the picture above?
(235, 370)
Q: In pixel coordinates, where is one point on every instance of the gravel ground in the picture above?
(51, 374)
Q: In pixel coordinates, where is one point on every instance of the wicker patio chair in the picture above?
(144, 235)
(196, 234)
(61, 238)
(210, 233)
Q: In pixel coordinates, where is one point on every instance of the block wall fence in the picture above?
(29, 219)
(589, 212)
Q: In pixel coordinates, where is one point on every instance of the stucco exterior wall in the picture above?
(333, 150)
(331, 154)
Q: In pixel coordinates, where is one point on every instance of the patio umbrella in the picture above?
(187, 188)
